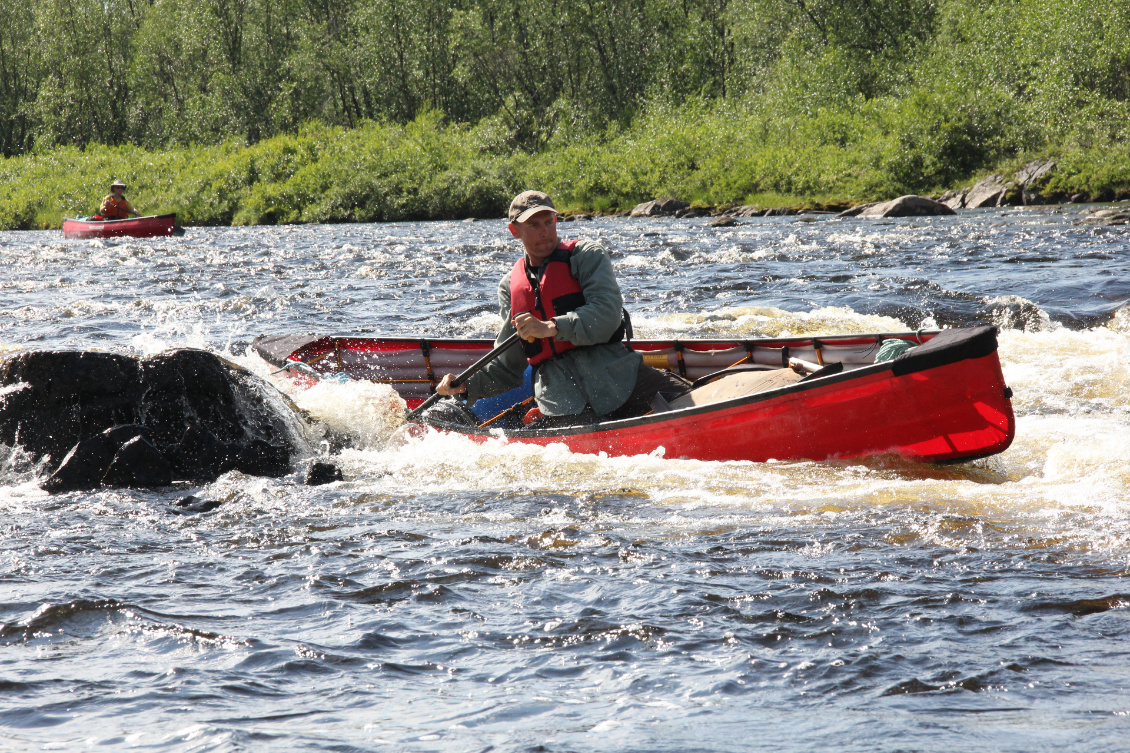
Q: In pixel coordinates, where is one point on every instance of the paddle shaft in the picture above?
(471, 370)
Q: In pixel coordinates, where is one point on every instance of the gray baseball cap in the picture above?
(529, 203)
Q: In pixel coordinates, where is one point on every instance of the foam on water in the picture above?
(1072, 452)
(764, 321)
(365, 413)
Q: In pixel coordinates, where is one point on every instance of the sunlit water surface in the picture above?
(456, 597)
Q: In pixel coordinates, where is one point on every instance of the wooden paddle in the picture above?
(473, 369)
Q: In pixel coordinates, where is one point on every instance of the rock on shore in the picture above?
(114, 420)
(1026, 187)
(660, 208)
(903, 206)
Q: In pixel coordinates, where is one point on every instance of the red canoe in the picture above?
(136, 227)
(943, 400)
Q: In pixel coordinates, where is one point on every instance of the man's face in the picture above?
(538, 235)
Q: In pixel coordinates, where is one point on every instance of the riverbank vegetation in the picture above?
(260, 112)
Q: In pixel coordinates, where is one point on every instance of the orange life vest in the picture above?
(113, 209)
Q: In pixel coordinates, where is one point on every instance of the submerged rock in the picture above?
(722, 220)
(200, 414)
(1105, 216)
(192, 504)
(323, 473)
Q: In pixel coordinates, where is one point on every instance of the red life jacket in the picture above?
(557, 292)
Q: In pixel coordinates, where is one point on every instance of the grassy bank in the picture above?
(709, 154)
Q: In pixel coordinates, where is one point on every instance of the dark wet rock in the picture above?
(1078, 198)
(193, 504)
(1012, 312)
(260, 458)
(65, 398)
(692, 212)
(778, 212)
(199, 455)
(907, 206)
(911, 686)
(323, 473)
(138, 464)
(119, 435)
(659, 208)
(577, 218)
(85, 465)
(722, 220)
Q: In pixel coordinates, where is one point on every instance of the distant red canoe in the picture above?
(136, 227)
(943, 400)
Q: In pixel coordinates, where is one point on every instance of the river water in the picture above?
(455, 597)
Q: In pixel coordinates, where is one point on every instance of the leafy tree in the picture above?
(19, 76)
(84, 93)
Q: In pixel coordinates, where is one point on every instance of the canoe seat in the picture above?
(736, 385)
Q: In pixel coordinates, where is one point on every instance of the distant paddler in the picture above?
(116, 206)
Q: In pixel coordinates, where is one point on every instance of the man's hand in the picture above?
(531, 328)
(444, 387)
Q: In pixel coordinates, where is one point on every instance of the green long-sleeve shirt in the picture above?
(602, 374)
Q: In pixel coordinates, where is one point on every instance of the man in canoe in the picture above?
(116, 206)
(564, 302)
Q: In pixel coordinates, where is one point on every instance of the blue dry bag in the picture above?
(489, 407)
